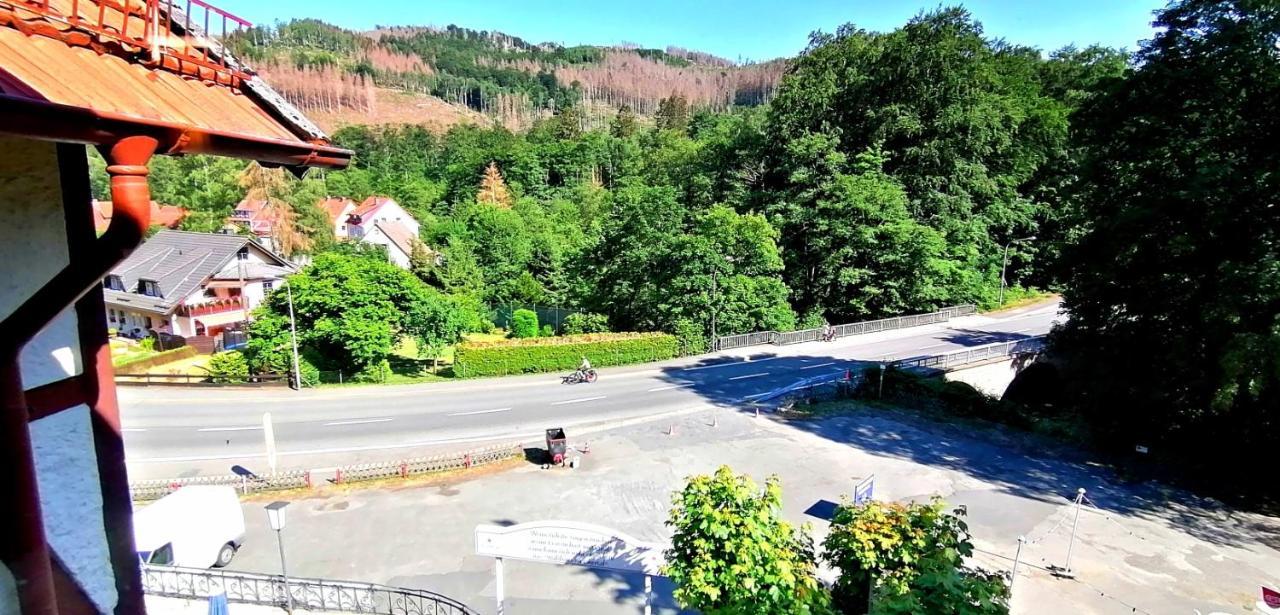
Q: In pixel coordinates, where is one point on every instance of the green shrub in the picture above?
(524, 324)
(229, 366)
(309, 372)
(585, 322)
(147, 343)
(560, 353)
(690, 338)
(811, 320)
(373, 372)
(547, 331)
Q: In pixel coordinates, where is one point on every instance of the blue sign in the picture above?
(863, 491)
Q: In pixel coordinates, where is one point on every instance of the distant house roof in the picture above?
(180, 263)
(334, 206)
(162, 215)
(399, 234)
(371, 205)
(256, 214)
(98, 70)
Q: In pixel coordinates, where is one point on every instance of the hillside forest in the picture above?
(883, 173)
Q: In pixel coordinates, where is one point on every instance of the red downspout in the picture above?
(22, 545)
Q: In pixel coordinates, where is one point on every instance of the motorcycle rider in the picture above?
(585, 366)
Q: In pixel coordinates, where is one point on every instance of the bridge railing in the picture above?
(974, 355)
(308, 594)
(777, 338)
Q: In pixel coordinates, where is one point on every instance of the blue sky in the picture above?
(742, 29)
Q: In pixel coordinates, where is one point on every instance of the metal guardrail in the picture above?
(253, 380)
(777, 338)
(294, 479)
(973, 355)
(308, 594)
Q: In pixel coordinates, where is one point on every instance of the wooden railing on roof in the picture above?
(148, 26)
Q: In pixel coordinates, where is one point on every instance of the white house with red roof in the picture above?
(377, 220)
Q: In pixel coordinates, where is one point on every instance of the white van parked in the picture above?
(193, 527)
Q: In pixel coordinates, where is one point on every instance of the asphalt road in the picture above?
(182, 432)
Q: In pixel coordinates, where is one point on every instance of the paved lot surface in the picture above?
(1146, 549)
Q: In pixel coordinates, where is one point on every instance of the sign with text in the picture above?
(864, 490)
(569, 542)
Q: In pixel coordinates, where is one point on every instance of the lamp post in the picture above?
(293, 339)
(275, 515)
(1004, 263)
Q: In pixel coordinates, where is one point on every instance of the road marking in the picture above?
(478, 412)
(757, 395)
(131, 429)
(728, 363)
(934, 346)
(248, 428)
(818, 365)
(756, 375)
(577, 401)
(671, 386)
(357, 422)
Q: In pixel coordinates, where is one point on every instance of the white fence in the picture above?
(974, 355)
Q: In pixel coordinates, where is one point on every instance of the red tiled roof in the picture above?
(371, 205)
(88, 54)
(260, 217)
(334, 206)
(163, 215)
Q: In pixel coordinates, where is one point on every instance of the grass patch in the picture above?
(1016, 297)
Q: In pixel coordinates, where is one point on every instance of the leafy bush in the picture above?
(524, 324)
(812, 319)
(908, 558)
(691, 338)
(147, 343)
(309, 372)
(585, 322)
(560, 353)
(229, 366)
(547, 331)
(373, 372)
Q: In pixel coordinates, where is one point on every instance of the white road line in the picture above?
(934, 346)
(756, 375)
(357, 422)
(577, 401)
(671, 386)
(728, 363)
(248, 428)
(753, 396)
(131, 429)
(818, 365)
(478, 412)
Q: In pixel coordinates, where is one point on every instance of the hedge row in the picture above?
(160, 358)
(547, 354)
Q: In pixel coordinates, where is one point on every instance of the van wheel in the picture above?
(225, 554)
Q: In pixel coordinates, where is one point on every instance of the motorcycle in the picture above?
(581, 375)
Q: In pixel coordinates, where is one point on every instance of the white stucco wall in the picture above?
(71, 501)
(394, 254)
(390, 212)
(35, 236)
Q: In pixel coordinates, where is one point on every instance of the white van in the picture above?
(193, 527)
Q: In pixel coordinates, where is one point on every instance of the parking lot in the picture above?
(1143, 548)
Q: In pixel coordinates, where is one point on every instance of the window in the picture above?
(344, 227)
(243, 254)
(160, 557)
(267, 285)
(148, 322)
(113, 282)
(111, 315)
(149, 288)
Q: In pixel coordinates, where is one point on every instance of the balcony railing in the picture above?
(216, 306)
(193, 48)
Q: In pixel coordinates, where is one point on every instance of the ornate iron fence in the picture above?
(309, 594)
(729, 342)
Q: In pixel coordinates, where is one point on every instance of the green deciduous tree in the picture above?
(1174, 336)
(908, 558)
(524, 323)
(732, 554)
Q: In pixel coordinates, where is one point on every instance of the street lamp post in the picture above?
(275, 515)
(293, 338)
(1004, 263)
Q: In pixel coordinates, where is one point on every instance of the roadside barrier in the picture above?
(301, 593)
(295, 479)
(783, 338)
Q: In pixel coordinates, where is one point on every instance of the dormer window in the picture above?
(113, 282)
(149, 288)
(243, 254)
